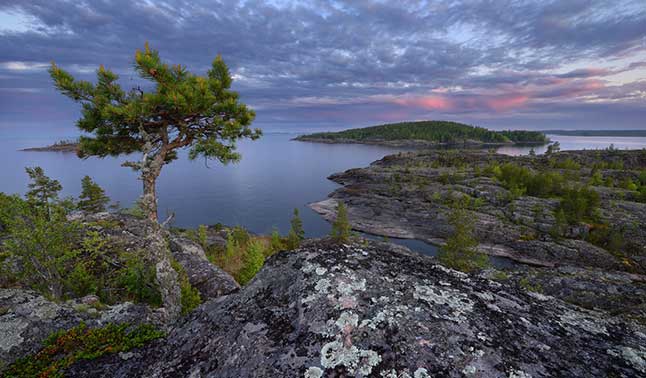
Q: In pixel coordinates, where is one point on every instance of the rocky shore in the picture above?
(407, 143)
(409, 195)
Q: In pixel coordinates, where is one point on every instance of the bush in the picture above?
(341, 229)
(252, 262)
(460, 252)
(276, 242)
(579, 204)
(296, 233)
(64, 348)
(190, 296)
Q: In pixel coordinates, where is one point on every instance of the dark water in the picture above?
(275, 176)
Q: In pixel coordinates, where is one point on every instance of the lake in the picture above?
(275, 176)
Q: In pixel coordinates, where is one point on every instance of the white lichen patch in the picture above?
(10, 333)
(347, 319)
(322, 286)
(320, 270)
(635, 357)
(313, 372)
(347, 285)
(421, 373)
(355, 360)
(579, 320)
(518, 374)
(458, 302)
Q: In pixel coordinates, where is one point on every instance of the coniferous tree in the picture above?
(460, 251)
(341, 228)
(296, 233)
(183, 110)
(42, 189)
(92, 198)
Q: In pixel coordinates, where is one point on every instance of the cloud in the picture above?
(348, 61)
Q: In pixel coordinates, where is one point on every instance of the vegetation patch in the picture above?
(66, 347)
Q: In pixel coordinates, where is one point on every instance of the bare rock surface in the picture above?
(210, 280)
(372, 310)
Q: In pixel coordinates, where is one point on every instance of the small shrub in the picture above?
(190, 296)
(527, 285)
(341, 229)
(252, 262)
(202, 236)
(296, 232)
(460, 251)
(276, 242)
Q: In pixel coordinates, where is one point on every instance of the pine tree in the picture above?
(42, 189)
(341, 226)
(92, 198)
(276, 243)
(296, 233)
(183, 111)
(460, 251)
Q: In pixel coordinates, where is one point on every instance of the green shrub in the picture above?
(252, 262)
(139, 280)
(527, 285)
(460, 251)
(579, 204)
(296, 232)
(64, 348)
(190, 296)
(202, 236)
(276, 242)
(341, 229)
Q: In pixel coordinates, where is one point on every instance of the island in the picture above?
(428, 134)
(60, 146)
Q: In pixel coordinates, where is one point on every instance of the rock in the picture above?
(27, 318)
(211, 281)
(349, 310)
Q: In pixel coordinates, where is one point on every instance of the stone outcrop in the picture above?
(211, 281)
(329, 310)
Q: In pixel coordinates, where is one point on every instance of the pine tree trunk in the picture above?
(149, 198)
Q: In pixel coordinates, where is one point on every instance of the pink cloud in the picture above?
(426, 102)
(504, 103)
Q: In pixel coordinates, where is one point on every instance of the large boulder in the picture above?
(208, 279)
(372, 310)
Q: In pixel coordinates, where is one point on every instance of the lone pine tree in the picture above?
(183, 110)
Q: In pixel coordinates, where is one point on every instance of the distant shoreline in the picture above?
(56, 147)
(601, 133)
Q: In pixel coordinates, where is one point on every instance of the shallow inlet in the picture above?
(433, 250)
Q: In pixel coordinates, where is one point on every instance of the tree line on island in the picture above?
(442, 132)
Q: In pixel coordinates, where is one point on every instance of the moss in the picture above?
(64, 348)
(529, 286)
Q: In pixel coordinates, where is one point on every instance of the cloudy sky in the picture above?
(306, 65)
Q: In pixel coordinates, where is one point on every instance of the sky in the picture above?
(328, 65)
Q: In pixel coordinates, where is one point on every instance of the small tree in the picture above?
(253, 260)
(553, 148)
(341, 228)
(92, 198)
(276, 243)
(460, 251)
(296, 233)
(42, 190)
(182, 111)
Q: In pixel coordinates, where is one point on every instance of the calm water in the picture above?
(275, 176)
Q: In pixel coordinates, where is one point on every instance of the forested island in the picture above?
(428, 134)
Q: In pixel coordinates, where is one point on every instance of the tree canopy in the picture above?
(183, 110)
